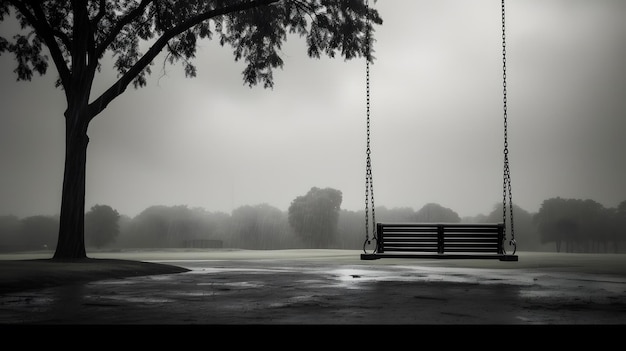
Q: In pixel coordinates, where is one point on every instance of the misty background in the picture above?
(436, 109)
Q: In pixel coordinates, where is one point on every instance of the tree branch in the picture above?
(122, 83)
(63, 38)
(101, 11)
(43, 29)
(127, 19)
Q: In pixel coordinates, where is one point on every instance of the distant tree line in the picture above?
(575, 225)
(315, 220)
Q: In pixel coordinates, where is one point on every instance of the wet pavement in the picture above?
(334, 287)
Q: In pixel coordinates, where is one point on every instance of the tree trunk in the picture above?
(71, 241)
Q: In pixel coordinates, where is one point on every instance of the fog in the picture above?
(436, 110)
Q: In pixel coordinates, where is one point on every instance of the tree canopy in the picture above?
(79, 34)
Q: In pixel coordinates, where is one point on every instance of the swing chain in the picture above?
(506, 187)
(369, 184)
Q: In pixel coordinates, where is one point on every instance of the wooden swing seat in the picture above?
(440, 241)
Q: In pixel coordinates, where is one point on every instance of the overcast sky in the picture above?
(436, 119)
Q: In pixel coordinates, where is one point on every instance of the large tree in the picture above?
(315, 217)
(79, 33)
(101, 225)
(583, 225)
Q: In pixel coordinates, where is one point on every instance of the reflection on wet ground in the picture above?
(307, 292)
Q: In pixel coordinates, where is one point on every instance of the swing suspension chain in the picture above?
(369, 184)
(506, 187)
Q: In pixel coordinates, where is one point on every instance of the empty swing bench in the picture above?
(440, 240)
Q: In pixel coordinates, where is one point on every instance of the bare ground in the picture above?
(311, 287)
